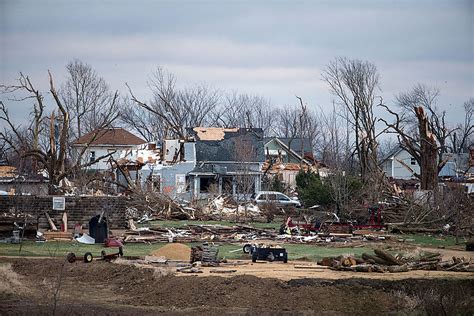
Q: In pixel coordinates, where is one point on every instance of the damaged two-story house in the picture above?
(209, 161)
(228, 161)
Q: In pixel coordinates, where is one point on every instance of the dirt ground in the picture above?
(48, 286)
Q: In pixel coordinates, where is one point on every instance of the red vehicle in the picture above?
(329, 222)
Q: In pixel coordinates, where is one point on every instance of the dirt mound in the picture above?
(173, 252)
(101, 285)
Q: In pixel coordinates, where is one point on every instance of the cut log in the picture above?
(363, 268)
(396, 269)
(429, 256)
(387, 257)
(373, 259)
(349, 261)
(326, 261)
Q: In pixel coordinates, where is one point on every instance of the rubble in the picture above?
(224, 207)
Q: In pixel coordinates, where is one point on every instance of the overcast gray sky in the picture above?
(273, 48)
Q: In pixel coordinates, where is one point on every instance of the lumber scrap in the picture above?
(65, 221)
(50, 221)
(57, 235)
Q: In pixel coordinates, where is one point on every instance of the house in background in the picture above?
(286, 162)
(99, 143)
(159, 167)
(280, 146)
(399, 164)
(208, 161)
(228, 161)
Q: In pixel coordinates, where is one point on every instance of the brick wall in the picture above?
(78, 209)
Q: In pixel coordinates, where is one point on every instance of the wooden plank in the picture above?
(50, 221)
(65, 221)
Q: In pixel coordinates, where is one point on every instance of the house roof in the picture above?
(235, 144)
(393, 152)
(109, 136)
(294, 143)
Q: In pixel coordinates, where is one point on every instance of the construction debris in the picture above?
(54, 235)
(205, 254)
(194, 233)
(225, 206)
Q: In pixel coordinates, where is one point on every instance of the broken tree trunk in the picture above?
(428, 152)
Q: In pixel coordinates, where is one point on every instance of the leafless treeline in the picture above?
(345, 135)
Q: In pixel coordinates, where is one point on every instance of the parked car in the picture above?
(277, 198)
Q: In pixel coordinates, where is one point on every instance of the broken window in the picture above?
(92, 156)
(207, 184)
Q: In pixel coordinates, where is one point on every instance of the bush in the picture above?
(311, 190)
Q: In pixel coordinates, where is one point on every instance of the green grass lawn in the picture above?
(431, 240)
(61, 248)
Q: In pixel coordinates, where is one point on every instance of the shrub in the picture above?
(311, 190)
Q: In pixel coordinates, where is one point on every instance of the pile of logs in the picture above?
(383, 261)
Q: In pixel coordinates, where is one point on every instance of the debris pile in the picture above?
(158, 206)
(382, 261)
(206, 254)
(225, 206)
(194, 233)
(14, 220)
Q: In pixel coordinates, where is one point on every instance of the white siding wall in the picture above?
(101, 151)
(393, 168)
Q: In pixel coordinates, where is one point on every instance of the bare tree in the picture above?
(421, 131)
(26, 142)
(354, 83)
(144, 122)
(87, 98)
(334, 146)
(462, 136)
(243, 110)
(297, 123)
(178, 108)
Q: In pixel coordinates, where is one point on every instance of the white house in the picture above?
(99, 143)
(399, 164)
